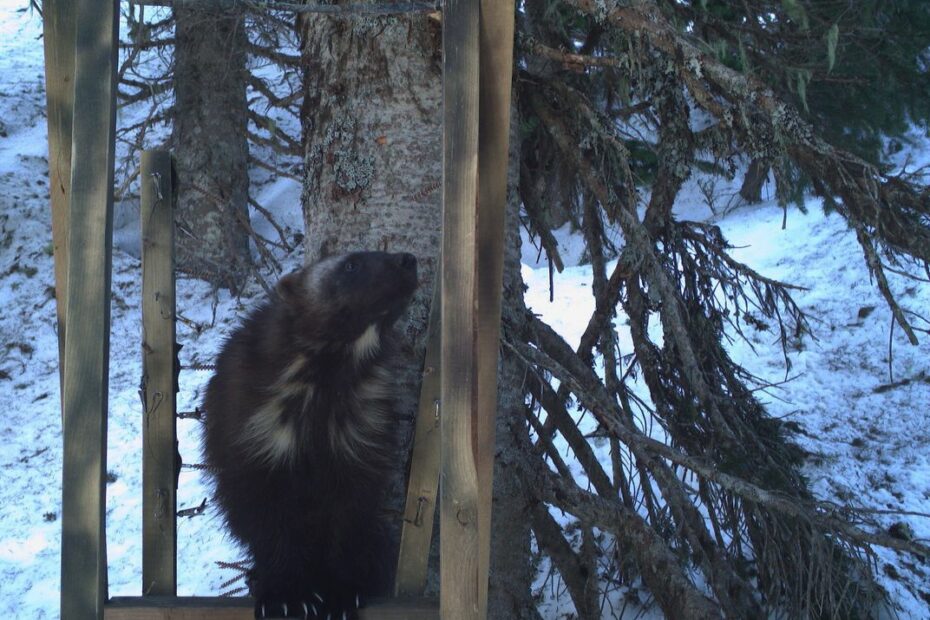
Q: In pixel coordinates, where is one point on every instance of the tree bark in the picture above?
(211, 145)
(756, 176)
(512, 573)
(372, 130)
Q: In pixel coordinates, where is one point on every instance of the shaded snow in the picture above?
(869, 443)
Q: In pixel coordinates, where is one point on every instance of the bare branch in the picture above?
(661, 572)
(824, 514)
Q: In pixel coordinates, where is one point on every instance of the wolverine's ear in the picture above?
(290, 288)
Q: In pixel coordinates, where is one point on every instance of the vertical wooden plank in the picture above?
(159, 431)
(58, 35)
(496, 69)
(83, 544)
(423, 482)
(458, 483)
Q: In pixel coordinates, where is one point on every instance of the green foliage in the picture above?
(796, 13)
(858, 71)
(833, 37)
(802, 77)
(876, 80)
(619, 112)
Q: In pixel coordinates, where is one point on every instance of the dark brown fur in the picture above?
(299, 433)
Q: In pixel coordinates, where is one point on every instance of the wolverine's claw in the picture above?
(356, 602)
(318, 597)
(306, 611)
(263, 610)
(284, 605)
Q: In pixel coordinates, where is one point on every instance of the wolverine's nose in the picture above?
(406, 261)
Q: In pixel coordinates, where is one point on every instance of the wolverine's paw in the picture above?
(343, 608)
(279, 607)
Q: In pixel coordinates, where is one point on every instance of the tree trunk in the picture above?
(509, 595)
(372, 133)
(211, 145)
(756, 176)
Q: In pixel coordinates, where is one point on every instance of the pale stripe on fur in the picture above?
(267, 437)
(366, 345)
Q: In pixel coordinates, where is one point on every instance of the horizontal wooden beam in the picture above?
(239, 608)
(294, 7)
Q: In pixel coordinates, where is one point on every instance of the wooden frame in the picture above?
(87, 339)
(423, 481)
(458, 487)
(477, 65)
(239, 608)
(496, 32)
(58, 36)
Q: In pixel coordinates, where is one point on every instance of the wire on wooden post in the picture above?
(159, 434)
(83, 542)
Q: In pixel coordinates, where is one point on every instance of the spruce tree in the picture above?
(617, 106)
(857, 71)
(622, 104)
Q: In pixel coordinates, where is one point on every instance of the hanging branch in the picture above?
(700, 394)
(776, 516)
(279, 142)
(563, 422)
(555, 356)
(893, 211)
(279, 58)
(289, 102)
(576, 573)
(661, 572)
(568, 59)
(282, 237)
(280, 170)
(732, 592)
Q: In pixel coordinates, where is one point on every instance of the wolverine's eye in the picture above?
(350, 265)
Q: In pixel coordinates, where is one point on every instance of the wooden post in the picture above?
(159, 432)
(459, 483)
(58, 34)
(83, 543)
(423, 482)
(496, 71)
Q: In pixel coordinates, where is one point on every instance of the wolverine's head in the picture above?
(344, 296)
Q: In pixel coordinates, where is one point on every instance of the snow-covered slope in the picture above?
(871, 440)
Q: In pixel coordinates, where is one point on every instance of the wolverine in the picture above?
(300, 434)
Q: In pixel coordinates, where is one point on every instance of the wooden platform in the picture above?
(217, 608)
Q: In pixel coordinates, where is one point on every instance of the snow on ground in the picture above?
(869, 440)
